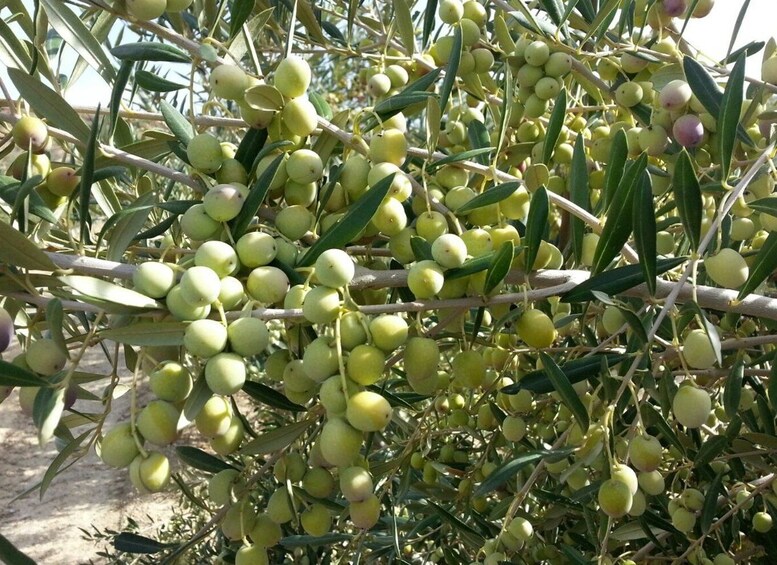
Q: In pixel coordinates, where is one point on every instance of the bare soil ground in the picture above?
(87, 494)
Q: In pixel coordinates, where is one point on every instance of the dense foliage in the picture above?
(402, 281)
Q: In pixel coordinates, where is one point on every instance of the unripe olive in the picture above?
(365, 514)
(239, 520)
(62, 181)
(225, 373)
(537, 53)
(425, 279)
(45, 357)
(204, 153)
(198, 225)
(252, 555)
(332, 396)
(6, 329)
(118, 448)
(683, 520)
(304, 166)
(292, 76)
(390, 146)
(651, 482)
(366, 364)
(229, 81)
(218, 256)
(30, 134)
(354, 175)
(181, 309)
(178, 5)
(698, 351)
(615, 498)
(223, 202)
(321, 305)
(514, 428)
(421, 358)
(221, 484)
(205, 338)
(248, 336)
(535, 328)
(389, 331)
(153, 279)
(265, 532)
(267, 285)
(762, 522)
(390, 218)
(356, 484)
(150, 474)
(299, 115)
(170, 381)
(316, 520)
(378, 85)
(691, 406)
(158, 422)
(319, 360)
(645, 453)
(334, 268)
(368, 411)
(340, 442)
(256, 249)
(521, 528)
(295, 378)
(468, 368)
(769, 70)
(318, 482)
(215, 417)
(728, 268)
(626, 475)
(450, 11)
(294, 221)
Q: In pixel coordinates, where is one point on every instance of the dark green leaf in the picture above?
(11, 555)
(19, 251)
(618, 225)
(424, 82)
(118, 91)
(430, 15)
(688, 197)
(320, 104)
(308, 541)
(197, 398)
(87, 178)
(555, 123)
(553, 8)
(738, 25)
(575, 370)
(710, 449)
(270, 397)
(355, 220)
(275, 440)
(657, 419)
(766, 205)
(46, 412)
(155, 83)
(710, 506)
(148, 51)
(240, 11)
(474, 265)
(702, 85)
(478, 139)
(55, 317)
(451, 69)
(507, 471)
(422, 249)
(13, 375)
(129, 542)
(147, 333)
(733, 390)
(252, 143)
(201, 460)
(456, 157)
(574, 555)
(255, 198)
(617, 280)
(536, 223)
(578, 194)
(564, 388)
(750, 49)
(500, 266)
(56, 464)
(394, 105)
(404, 23)
(490, 196)
(645, 231)
(48, 104)
(178, 124)
(764, 265)
(730, 111)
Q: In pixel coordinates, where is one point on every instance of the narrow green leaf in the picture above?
(764, 265)
(645, 231)
(555, 123)
(728, 119)
(129, 542)
(653, 415)
(564, 388)
(578, 194)
(510, 469)
(56, 464)
(536, 223)
(733, 389)
(126, 228)
(48, 104)
(772, 387)
(277, 439)
(451, 69)
(617, 280)
(574, 555)
(47, 411)
(422, 249)
(19, 251)
(104, 290)
(251, 146)
(150, 51)
(147, 333)
(270, 397)
(11, 555)
(423, 83)
(322, 107)
(490, 196)
(710, 506)
(688, 197)
(600, 19)
(750, 49)
(738, 25)
(710, 449)
(500, 266)
(616, 164)
(703, 85)
(349, 226)
(239, 14)
(430, 15)
(766, 205)
(55, 316)
(575, 370)
(13, 375)
(72, 30)
(155, 83)
(393, 105)
(618, 225)
(117, 92)
(553, 8)
(405, 25)
(87, 178)
(197, 398)
(571, 5)
(479, 139)
(455, 158)
(178, 124)
(255, 198)
(201, 460)
(475, 265)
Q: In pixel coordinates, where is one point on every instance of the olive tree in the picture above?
(442, 281)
